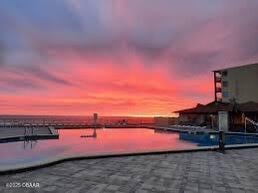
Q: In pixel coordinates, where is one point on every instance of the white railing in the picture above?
(250, 121)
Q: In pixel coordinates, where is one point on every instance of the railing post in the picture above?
(221, 142)
(245, 124)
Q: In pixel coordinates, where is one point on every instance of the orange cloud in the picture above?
(109, 89)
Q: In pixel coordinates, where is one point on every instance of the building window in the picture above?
(225, 83)
(224, 73)
(225, 94)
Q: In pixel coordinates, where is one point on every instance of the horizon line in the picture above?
(49, 115)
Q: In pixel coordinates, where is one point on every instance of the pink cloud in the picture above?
(125, 58)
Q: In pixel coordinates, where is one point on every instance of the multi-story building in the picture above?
(236, 83)
(236, 95)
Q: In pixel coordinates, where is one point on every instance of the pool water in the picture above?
(205, 139)
(106, 141)
(70, 143)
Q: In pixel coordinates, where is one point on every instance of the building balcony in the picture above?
(217, 79)
(218, 89)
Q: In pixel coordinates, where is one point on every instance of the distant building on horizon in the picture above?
(236, 83)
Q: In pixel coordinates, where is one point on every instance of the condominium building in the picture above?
(236, 83)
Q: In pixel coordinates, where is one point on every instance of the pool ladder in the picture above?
(28, 138)
(26, 132)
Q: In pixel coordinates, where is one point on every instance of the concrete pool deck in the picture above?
(192, 172)
(19, 133)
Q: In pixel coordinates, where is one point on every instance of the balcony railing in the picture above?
(218, 79)
(218, 89)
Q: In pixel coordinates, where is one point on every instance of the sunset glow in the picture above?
(136, 58)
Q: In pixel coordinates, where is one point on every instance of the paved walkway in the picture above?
(202, 172)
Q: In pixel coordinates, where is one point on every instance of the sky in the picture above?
(119, 57)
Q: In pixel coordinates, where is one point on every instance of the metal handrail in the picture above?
(251, 121)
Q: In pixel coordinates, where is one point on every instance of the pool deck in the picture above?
(18, 133)
(185, 129)
(192, 172)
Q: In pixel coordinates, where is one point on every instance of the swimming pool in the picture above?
(206, 139)
(90, 142)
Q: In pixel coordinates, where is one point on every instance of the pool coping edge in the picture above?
(62, 159)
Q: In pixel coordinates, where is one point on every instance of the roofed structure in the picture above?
(236, 67)
(215, 107)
